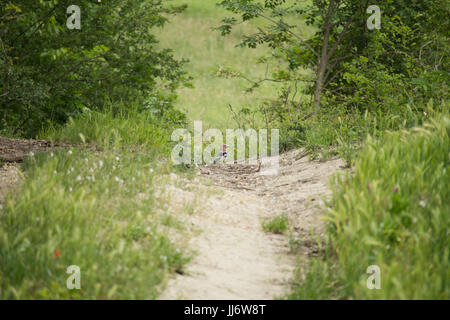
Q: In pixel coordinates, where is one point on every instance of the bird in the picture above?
(223, 154)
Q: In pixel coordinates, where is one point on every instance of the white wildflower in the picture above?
(52, 154)
(79, 178)
(117, 179)
(69, 152)
(31, 153)
(70, 189)
(422, 203)
(117, 159)
(100, 163)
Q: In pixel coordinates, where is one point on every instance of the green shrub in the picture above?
(54, 72)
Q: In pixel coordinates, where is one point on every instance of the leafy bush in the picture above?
(50, 73)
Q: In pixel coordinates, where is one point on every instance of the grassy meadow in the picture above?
(191, 36)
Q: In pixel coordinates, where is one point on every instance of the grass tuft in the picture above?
(278, 224)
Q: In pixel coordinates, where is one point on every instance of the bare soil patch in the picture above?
(9, 177)
(15, 150)
(12, 152)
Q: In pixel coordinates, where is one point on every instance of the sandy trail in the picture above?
(235, 258)
(9, 177)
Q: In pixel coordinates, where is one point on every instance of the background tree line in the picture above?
(49, 73)
(353, 69)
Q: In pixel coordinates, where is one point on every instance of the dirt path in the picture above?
(235, 258)
(9, 176)
(15, 150)
(12, 152)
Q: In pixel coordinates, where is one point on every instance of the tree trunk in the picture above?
(319, 83)
(323, 59)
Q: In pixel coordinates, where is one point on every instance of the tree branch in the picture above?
(291, 33)
(340, 37)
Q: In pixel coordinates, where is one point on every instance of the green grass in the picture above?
(278, 224)
(109, 130)
(392, 212)
(335, 132)
(95, 209)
